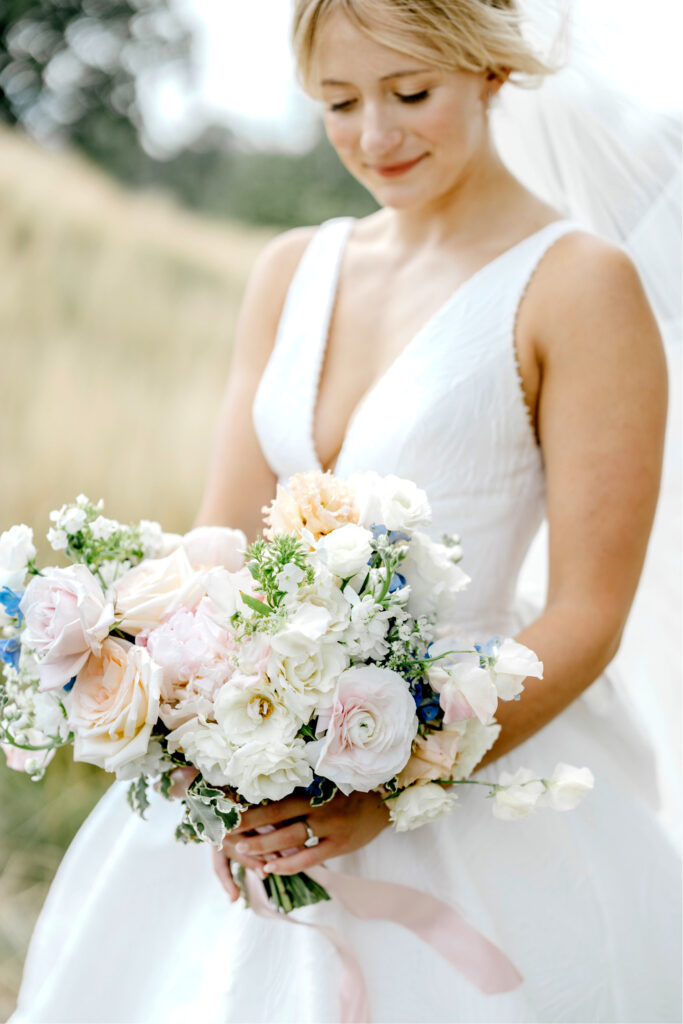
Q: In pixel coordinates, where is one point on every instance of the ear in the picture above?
(495, 80)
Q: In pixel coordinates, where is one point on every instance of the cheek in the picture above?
(342, 132)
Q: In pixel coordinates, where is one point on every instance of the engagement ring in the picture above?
(311, 838)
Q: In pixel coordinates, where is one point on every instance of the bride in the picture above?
(468, 337)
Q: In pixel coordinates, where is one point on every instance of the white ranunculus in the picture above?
(389, 501)
(154, 589)
(369, 729)
(16, 551)
(568, 786)
(248, 708)
(206, 746)
(514, 663)
(520, 796)
(305, 662)
(269, 771)
(420, 804)
(475, 741)
(434, 578)
(114, 705)
(346, 551)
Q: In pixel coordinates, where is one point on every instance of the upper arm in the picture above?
(240, 481)
(601, 420)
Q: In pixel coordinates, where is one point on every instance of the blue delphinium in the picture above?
(9, 599)
(10, 651)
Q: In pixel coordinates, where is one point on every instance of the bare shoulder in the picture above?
(265, 294)
(587, 289)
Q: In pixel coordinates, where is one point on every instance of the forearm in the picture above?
(575, 644)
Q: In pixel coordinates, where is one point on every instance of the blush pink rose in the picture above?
(20, 760)
(208, 546)
(370, 729)
(154, 589)
(67, 618)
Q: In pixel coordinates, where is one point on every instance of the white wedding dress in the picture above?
(136, 928)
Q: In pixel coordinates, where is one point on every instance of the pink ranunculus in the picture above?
(208, 546)
(154, 589)
(370, 729)
(67, 618)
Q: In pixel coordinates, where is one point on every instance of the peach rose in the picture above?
(316, 502)
(433, 757)
(154, 589)
(114, 705)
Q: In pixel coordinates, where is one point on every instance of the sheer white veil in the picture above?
(585, 145)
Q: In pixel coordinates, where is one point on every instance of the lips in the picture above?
(394, 170)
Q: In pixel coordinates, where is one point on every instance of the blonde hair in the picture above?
(464, 35)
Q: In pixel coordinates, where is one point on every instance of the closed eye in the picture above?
(414, 97)
(344, 105)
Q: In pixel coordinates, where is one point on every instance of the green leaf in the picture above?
(137, 795)
(165, 785)
(255, 604)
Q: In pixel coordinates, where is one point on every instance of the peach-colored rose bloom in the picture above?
(315, 501)
(154, 589)
(433, 757)
(114, 705)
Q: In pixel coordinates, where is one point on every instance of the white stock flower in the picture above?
(16, 551)
(420, 804)
(151, 538)
(305, 662)
(568, 786)
(514, 662)
(248, 708)
(366, 635)
(206, 746)
(269, 771)
(520, 796)
(434, 578)
(389, 501)
(73, 520)
(289, 578)
(57, 539)
(103, 528)
(345, 551)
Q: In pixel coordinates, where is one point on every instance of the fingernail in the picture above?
(268, 868)
(242, 847)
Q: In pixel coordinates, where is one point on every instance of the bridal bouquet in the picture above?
(323, 658)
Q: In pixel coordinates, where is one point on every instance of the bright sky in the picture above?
(247, 74)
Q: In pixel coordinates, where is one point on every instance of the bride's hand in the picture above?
(342, 825)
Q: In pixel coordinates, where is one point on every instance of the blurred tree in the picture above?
(69, 68)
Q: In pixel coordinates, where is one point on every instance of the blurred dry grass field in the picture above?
(117, 314)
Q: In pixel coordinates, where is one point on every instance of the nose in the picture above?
(380, 134)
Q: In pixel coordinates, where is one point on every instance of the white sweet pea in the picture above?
(514, 663)
(464, 687)
(269, 771)
(568, 786)
(434, 578)
(346, 551)
(520, 796)
(420, 804)
(16, 551)
(390, 501)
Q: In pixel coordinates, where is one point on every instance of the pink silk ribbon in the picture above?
(442, 927)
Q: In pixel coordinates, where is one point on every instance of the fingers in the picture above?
(180, 780)
(287, 837)
(302, 859)
(273, 814)
(230, 850)
(221, 866)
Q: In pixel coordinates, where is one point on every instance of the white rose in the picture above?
(420, 804)
(114, 705)
(514, 663)
(16, 551)
(103, 528)
(434, 578)
(346, 551)
(305, 663)
(206, 746)
(475, 741)
(568, 786)
(323, 593)
(248, 708)
(389, 501)
(271, 771)
(519, 798)
(154, 589)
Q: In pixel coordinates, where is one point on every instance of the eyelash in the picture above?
(415, 97)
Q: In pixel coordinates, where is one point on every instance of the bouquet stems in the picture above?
(287, 892)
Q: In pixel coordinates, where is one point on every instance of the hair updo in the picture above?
(463, 35)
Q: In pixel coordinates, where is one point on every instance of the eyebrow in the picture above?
(384, 78)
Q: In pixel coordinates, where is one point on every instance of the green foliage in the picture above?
(137, 795)
(208, 814)
(267, 559)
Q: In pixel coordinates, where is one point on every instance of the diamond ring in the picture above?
(311, 838)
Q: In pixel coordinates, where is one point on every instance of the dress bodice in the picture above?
(448, 413)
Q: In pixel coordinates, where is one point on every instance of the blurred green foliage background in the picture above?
(120, 281)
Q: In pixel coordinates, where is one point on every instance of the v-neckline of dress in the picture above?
(434, 317)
